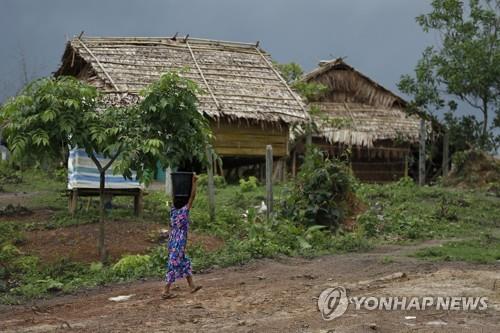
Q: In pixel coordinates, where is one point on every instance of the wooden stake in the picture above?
(446, 147)
(211, 185)
(269, 181)
(421, 157)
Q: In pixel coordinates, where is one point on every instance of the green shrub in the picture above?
(248, 185)
(12, 262)
(10, 232)
(61, 174)
(219, 181)
(96, 267)
(8, 175)
(320, 192)
(38, 287)
(130, 266)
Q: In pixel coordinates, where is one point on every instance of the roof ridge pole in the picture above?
(99, 64)
(283, 81)
(203, 76)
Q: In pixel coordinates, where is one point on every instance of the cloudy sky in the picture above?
(378, 37)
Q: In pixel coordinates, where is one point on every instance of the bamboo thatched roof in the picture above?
(366, 111)
(238, 80)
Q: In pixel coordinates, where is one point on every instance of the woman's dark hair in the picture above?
(180, 202)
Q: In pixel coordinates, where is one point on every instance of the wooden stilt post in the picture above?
(276, 170)
(446, 146)
(211, 186)
(309, 139)
(406, 165)
(284, 170)
(138, 203)
(269, 181)
(294, 163)
(73, 201)
(262, 172)
(421, 157)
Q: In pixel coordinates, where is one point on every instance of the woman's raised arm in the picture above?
(193, 191)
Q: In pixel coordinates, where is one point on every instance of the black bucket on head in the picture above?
(182, 183)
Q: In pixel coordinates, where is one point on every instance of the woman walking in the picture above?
(179, 264)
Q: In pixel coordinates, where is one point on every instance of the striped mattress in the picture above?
(83, 173)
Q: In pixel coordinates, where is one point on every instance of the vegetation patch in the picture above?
(319, 195)
(481, 250)
(403, 211)
(396, 212)
(474, 169)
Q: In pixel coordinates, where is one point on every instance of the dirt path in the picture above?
(275, 296)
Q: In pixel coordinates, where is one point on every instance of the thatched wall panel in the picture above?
(363, 125)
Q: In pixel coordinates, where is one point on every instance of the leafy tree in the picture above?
(309, 91)
(291, 72)
(52, 114)
(466, 64)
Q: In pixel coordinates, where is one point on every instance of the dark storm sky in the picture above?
(378, 37)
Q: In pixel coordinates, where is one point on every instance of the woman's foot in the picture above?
(195, 289)
(168, 295)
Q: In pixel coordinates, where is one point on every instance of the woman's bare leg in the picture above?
(166, 291)
(194, 288)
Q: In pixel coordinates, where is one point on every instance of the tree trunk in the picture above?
(102, 217)
(103, 253)
(485, 121)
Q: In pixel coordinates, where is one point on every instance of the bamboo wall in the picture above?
(385, 162)
(249, 140)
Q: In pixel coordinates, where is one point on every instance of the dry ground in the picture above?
(275, 296)
(77, 243)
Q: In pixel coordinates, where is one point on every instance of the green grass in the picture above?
(402, 212)
(483, 250)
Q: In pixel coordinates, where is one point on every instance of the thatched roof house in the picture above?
(357, 112)
(248, 102)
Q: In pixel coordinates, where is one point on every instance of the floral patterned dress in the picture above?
(179, 264)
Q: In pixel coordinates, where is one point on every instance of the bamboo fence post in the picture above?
(211, 186)
(269, 181)
(421, 157)
(446, 148)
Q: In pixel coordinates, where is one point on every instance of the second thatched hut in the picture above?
(358, 116)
